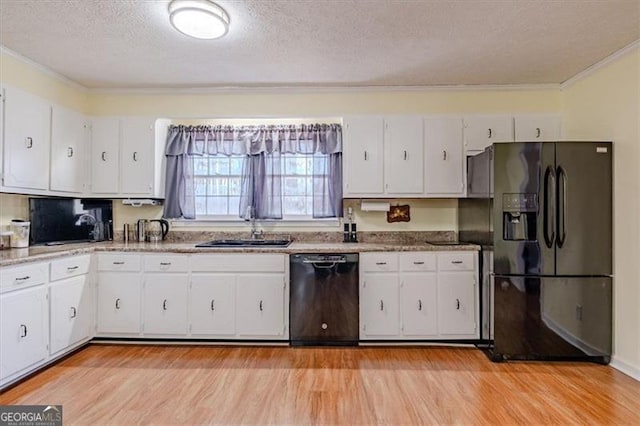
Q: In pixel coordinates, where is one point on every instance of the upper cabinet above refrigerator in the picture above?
(480, 131)
(538, 128)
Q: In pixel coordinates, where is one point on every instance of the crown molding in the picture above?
(44, 69)
(601, 64)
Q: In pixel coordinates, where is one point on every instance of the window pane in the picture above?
(217, 205)
(309, 206)
(295, 165)
(201, 166)
(200, 186)
(219, 166)
(234, 186)
(201, 205)
(235, 165)
(218, 186)
(234, 206)
(294, 186)
(294, 205)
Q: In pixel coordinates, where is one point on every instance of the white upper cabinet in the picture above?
(68, 144)
(404, 154)
(538, 127)
(363, 155)
(27, 140)
(105, 155)
(141, 156)
(480, 131)
(444, 165)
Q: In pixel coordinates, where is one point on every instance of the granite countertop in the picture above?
(18, 256)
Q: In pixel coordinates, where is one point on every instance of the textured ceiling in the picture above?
(130, 44)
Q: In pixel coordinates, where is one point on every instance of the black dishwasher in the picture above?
(324, 307)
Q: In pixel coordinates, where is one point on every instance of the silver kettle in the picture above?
(141, 230)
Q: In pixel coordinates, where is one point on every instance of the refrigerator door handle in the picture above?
(562, 206)
(549, 215)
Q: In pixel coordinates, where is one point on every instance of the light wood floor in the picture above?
(283, 385)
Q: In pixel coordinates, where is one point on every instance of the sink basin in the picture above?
(245, 243)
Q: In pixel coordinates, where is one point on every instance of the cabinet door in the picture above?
(27, 140)
(457, 303)
(119, 297)
(480, 131)
(260, 309)
(137, 156)
(68, 144)
(363, 152)
(23, 330)
(105, 160)
(70, 312)
(538, 128)
(419, 304)
(444, 159)
(212, 304)
(165, 303)
(379, 305)
(404, 155)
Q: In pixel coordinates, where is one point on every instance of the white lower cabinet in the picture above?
(380, 305)
(260, 309)
(119, 298)
(212, 305)
(165, 303)
(71, 312)
(457, 313)
(23, 331)
(419, 304)
(419, 296)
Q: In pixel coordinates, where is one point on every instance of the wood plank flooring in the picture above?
(283, 385)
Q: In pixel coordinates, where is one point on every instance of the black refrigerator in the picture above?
(551, 227)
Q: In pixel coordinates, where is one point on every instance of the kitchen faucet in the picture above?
(255, 234)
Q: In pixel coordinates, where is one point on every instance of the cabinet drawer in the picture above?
(70, 267)
(166, 263)
(418, 261)
(456, 261)
(379, 262)
(119, 262)
(227, 262)
(23, 276)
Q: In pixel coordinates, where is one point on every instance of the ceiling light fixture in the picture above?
(201, 19)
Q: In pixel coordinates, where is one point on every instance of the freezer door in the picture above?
(584, 208)
(519, 208)
(549, 318)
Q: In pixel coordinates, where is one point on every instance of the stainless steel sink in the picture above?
(245, 243)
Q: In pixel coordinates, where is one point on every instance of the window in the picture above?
(218, 180)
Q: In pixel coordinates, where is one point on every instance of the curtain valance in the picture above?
(253, 140)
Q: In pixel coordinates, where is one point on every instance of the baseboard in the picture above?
(628, 369)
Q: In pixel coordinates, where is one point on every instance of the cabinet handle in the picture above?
(164, 305)
(135, 155)
(418, 263)
(118, 263)
(444, 155)
(117, 303)
(381, 263)
(419, 304)
(365, 156)
(537, 132)
(23, 331)
(26, 277)
(70, 152)
(165, 263)
(490, 133)
(213, 301)
(405, 156)
(458, 304)
(104, 155)
(260, 305)
(456, 262)
(29, 142)
(74, 312)
(71, 268)
(381, 305)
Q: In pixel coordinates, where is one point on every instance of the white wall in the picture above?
(605, 105)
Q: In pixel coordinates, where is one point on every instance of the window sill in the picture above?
(239, 223)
